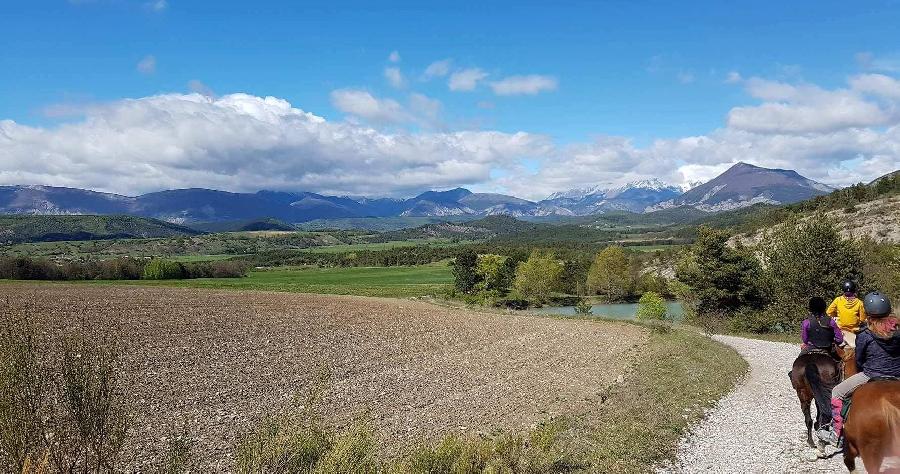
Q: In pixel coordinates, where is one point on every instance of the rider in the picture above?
(849, 312)
(818, 330)
(877, 355)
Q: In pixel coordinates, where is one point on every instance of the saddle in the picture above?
(845, 410)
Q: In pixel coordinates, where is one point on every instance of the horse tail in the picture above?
(820, 393)
(891, 414)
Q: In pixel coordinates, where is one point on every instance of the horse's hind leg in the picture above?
(807, 416)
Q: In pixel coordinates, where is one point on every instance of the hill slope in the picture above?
(744, 185)
(20, 228)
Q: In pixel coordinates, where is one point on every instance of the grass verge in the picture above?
(679, 376)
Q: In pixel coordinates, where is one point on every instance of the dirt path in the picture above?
(759, 426)
(222, 360)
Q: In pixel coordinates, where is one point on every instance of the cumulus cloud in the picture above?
(524, 85)
(364, 105)
(437, 69)
(804, 108)
(147, 65)
(240, 142)
(877, 85)
(394, 57)
(466, 79)
(394, 77)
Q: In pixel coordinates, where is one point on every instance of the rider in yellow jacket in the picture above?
(849, 312)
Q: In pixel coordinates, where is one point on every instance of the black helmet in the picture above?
(877, 305)
(849, 286)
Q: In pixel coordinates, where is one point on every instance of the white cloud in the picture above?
(364, 105)
(394, 77)
(524, 85)
(394, 57)
(428, 110)
(157, 5)
(437, 69)
(466, 79)
(240, 142)
(804, 108)
(196, 86)
(733, 77)
(147, 65)
(877, 85)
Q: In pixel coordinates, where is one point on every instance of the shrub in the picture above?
(354, 450)
(60, 413)
(25, 383)
(283, 445)
(160, 269)
(652, 306)
(583, 307)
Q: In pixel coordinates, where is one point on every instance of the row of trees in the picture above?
(508, 279)
(614, 274)
(766, 288)
(26, 268)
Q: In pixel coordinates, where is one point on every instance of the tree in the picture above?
(489, 268)
(609, 274)
(805, 259)
(652, 306)
(719, 279)
(537, 277)
(464, 276)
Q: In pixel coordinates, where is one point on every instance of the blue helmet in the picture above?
(877, 305)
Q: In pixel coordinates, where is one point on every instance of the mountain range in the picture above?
(741, 185)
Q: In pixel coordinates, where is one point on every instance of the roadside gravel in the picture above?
(759, 426)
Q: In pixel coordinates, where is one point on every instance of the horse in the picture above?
(872, 429)
(813, 375)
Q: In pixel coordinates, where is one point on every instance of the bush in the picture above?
(583, 307)
(652, 306)
(61, 413)
(160, 269)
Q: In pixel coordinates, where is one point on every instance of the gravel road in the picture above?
(759, 426)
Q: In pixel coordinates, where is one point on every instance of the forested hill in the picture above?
(29, 228)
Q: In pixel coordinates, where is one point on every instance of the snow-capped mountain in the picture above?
(634, 196)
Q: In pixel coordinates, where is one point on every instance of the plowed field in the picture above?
(222, 360)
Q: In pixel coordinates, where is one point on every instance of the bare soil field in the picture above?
(220, 361)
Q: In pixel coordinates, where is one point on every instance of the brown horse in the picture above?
(813, 375)
(872, 430)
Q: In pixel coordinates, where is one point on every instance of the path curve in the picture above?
(758, 427)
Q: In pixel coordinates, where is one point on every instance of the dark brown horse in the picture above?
(813, 375)
(872, 430)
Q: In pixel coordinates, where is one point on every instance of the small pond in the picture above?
(614, 311)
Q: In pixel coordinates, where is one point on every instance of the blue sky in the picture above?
(584, 75)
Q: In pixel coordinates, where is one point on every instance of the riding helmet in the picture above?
(877, 305)
(849, 286)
